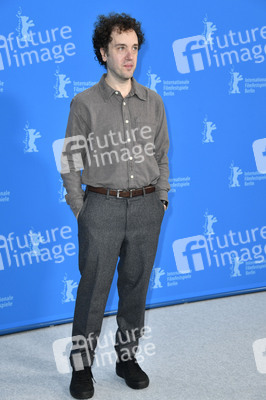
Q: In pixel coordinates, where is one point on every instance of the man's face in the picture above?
(122, 54)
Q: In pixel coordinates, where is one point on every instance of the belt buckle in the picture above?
(131, 192)
(117, 193)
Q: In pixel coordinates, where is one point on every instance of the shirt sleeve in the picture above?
(161, 149)
(72, 158)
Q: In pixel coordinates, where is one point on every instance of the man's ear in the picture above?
(103, 54)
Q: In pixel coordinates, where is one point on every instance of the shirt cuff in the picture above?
(163, 194)
(75, 205)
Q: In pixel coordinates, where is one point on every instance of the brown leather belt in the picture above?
(122, 193)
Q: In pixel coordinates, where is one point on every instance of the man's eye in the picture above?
(121, 48)
(135, 48)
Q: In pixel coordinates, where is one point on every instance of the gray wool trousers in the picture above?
(112, 229)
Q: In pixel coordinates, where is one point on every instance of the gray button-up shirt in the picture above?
(117, 143)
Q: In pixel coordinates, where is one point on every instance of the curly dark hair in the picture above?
(105, 25)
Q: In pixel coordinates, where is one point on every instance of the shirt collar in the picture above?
(136, 89)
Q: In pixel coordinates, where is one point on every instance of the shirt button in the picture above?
(131, 158)
(124, 103)
(116, 92)
(126, 121)
(129, 140)
(131, 176)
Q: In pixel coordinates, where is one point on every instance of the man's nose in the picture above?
(129, 55)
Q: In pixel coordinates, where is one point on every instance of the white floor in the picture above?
(194, 351)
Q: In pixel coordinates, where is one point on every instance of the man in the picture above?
(116, 132)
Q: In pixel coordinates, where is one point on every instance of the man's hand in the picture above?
(77, 215)
(165, 204)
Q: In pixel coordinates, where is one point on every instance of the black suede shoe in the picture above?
(134, 377)
(81, 385)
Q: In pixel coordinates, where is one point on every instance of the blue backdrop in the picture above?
(207, 61)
